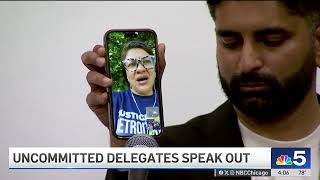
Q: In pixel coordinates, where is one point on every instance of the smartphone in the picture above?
(135, 96)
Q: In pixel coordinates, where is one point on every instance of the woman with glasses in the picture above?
(131, 106)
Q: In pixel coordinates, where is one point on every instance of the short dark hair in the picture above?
(134, 44)
(310, 10)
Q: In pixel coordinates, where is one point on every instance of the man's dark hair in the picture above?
(310, 10)
(134, 44)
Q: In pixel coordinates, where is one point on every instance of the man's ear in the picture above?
(317, 46)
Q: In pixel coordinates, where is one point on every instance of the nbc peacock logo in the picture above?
(284, 160)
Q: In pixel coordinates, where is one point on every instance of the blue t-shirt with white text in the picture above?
(127, 119)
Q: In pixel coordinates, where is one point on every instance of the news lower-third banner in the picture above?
(223, 162)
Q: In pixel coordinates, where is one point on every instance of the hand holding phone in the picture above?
(135, 97)
(97, 98)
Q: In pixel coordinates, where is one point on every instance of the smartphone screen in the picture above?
(135, 96)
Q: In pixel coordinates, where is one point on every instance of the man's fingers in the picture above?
(90, 59)
(162, 61)
(100, 50)
(97, 99)
(95, 59)
(99, 79)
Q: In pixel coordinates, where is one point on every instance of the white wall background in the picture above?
(43, 85)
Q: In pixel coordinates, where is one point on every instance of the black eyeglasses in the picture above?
(131, 64)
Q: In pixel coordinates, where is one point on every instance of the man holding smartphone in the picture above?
(267, 54)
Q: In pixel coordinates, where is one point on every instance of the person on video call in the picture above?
(129, 106)
(267, 55)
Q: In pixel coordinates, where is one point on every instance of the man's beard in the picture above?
(278, 99)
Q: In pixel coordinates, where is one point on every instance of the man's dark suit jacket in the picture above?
(217, 129)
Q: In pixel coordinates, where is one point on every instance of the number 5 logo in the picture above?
(299, 155)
